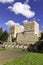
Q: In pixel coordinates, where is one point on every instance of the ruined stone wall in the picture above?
(20, 38)
(31, 38)
(15, 29)
(36, 28)
(29, 26)
(27, 38)
(32, 26)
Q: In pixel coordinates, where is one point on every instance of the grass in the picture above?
(20, 50)
(28, 59)
(1, 49)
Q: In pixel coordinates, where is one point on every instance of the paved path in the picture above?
(9, 55)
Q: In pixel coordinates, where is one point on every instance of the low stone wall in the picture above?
(14, 45)
(9, 44)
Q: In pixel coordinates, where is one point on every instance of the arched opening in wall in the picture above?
(13, 39)
(36, 34)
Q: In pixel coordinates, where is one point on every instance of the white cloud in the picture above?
(6, 1)
(11, 23)
(17, 24)
(24, 9)
(25, 21)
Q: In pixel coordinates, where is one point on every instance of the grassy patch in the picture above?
(19, 50)
(1, 49)
(28, 59)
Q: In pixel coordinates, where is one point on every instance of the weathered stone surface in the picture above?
(29, 36)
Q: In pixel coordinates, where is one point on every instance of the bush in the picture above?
(37, 47)
(4, 36)
(40, 46)
(30, 48)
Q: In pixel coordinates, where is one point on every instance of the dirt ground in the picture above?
(9, 54)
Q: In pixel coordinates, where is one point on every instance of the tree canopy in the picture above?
(3, 35)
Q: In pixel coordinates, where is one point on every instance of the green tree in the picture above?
(1, 32)
(41, 38)
(4, 36)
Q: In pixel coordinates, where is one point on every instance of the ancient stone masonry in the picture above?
(30, 35)
(14, 30)
(31, 26)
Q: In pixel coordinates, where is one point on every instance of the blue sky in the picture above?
(19, 10)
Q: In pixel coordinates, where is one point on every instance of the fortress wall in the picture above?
(32, 26)
(31, 39)
(29, 26)
(20, 38)
(36, 28)
(13, 31)
(27, 39)
(30, 34)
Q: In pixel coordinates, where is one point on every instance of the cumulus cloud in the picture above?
(17, 24)
(11, 23)
(6, 1)
(24, 9)
(25, 21)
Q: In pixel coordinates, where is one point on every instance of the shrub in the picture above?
(37, 47)
(30, 48)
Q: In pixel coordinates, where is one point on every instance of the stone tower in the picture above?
(31, 27)
(31, 33)
(14, 30)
